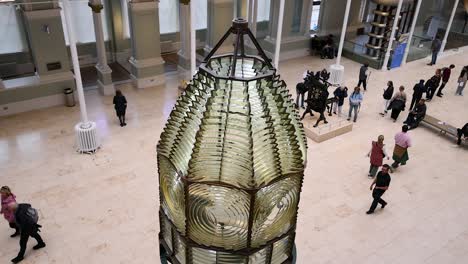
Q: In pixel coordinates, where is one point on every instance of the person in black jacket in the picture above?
(381, 183)
(432, 84)
(363, 73)
(340, 94)
(120, 106)
(416, 115)
(28, 228)
(418, 91)
(387, 95)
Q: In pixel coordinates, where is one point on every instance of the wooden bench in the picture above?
(441, 126)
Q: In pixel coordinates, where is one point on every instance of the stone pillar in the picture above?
(147, 66)
(253, 9)
(106, 87)
(219, 21)
(293, 44)
(184, 24)
(47, 43)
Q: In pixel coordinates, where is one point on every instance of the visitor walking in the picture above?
(462, 81)
(387, 95)
(462, 132)
(363, 72)
(340, 94)
(377, 153)
(26, 219)
(446, 72)
(435, 48)
(381, 183)
(120, 107)
(402, 143)
(397, 103)
(432, 84)
(8, 198)
(355, 103)
(416, 115)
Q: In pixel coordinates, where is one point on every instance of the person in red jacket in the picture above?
(377, 153)
(445, 78)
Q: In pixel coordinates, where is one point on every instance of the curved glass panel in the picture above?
(218, 216)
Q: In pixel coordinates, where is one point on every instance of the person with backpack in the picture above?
(387, 95)
(446, 72)
(340, 94)
(8, 198)
(26, 218)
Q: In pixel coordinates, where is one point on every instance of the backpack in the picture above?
(32, 215)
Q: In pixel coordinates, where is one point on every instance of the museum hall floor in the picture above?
(103, 208)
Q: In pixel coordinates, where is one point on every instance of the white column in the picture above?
(392, 35)
(247, 10)
(105, 84)
(185, 31)
(337, 70)
(447, 31)
(193, 44)
(279, 34)
(410, 37)
(308, 18)
(253, 17)
(76, 65)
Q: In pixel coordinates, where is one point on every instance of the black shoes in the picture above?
(369, 212)
(42, 245)
(18, 259)
(15, 234)
(383, 206)
(439, 95)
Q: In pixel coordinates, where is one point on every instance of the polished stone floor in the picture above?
(102, 208)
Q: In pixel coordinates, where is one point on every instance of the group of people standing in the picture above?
(23, 219)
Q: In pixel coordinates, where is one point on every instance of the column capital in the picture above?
(96, 6)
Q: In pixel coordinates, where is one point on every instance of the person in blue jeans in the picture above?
(354, 103)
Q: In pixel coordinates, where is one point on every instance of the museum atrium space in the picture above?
(232, 131)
